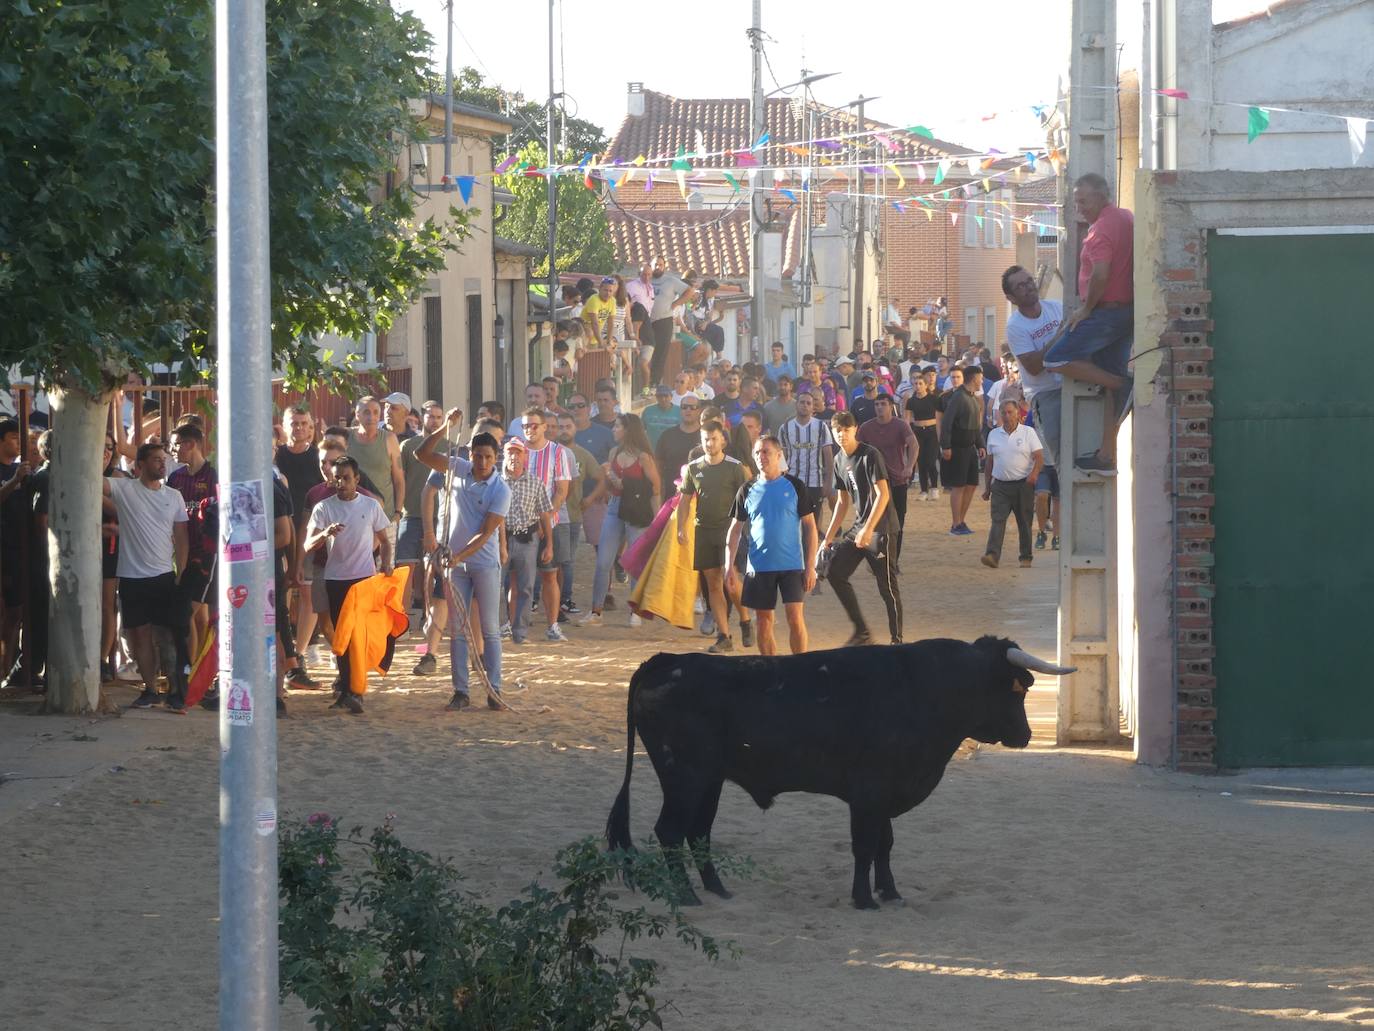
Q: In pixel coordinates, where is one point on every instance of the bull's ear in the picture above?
(1022, 680)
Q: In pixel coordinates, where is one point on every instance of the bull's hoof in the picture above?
(719, 890)
(890, 895)
(867, 903)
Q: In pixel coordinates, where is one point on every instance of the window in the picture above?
(990, 330)
(989, 212)
(971, 323)
(970, 227)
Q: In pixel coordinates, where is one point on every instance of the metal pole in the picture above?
(758, 191)
(448, 104)
(860, 241)
(553, 194)
(247, 718)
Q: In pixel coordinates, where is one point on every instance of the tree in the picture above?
(107, 221)
(584, 241)
(577, 136)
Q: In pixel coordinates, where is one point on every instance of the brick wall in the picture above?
(921, 258)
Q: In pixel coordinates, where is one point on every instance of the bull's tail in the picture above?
(618, 822)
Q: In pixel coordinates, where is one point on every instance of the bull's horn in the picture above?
(1028, 661)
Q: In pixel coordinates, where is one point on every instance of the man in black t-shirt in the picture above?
(861, 484)
(675, 444)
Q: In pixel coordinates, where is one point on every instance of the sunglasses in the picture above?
(689, 408)
(578, 404)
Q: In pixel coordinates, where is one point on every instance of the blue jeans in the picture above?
(524, 557)
(574, 532)
(1104, 338)
(614, 532)
(485, 584)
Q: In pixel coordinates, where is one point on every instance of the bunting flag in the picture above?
(586, 160)
(930, 215)
(973, 166)
(987, 188)
(465, 186)
(743, 159)
(800, 152)
(920, 173)
(611, 181)
(921, 130)
(1259, 121)
(789, 195)
(1177, 94)
(1356, 128)
(649, 182)
(954, 218)
(762, 141)
(681, 163)
(828, 145)
(681, 182)
(887, 141)
(871, 170)
(505, 166)
(901, 179)
(587, 181)
(638, 162)
(732, 181)
(629, 174)
(979, 220)
(940, 170)
(899, 206)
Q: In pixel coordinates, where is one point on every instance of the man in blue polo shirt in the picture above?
(477, 505)
(782, 545)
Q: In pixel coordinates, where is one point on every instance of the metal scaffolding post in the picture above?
(1089, 701)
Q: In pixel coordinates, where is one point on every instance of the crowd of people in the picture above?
(730, 488)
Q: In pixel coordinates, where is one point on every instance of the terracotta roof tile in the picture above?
(720, 125)
(714, 243)
(1044, 190)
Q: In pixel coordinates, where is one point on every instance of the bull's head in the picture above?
(1012, 674)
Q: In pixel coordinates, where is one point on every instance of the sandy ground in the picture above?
(1043, 889)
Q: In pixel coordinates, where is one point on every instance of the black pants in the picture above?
(1014, 498)
(663, 338)
(842, 566)
(897, 492)
(337, 591)
(928, 461)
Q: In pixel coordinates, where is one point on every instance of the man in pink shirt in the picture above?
(1096, 347)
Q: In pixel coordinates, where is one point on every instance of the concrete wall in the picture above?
(1314, 56)
(1171, 490)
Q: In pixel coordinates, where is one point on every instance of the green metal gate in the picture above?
(1293, 447)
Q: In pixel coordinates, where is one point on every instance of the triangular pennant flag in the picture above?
(921, 130)
(930, 215)
(681, 162)
(1177, 94)
(587, 181)
(789, 195)
(505, 166)
(871, 170)
(1030, 160)
(1259, 121)
(629, 174)
(638, 162)
(801, 152)
(945, 194)
(901, 179)
(732, 181)
(649, 182)
(804, 174)
(681, 182)
(1038, 110)
(611, 181)
(920, 173)
(954, 218)
(1357, 128)
(465, 186)
(940, 171)
(744, 159)
(762, 141)
(979, 220)
(586, 158)
(972, 164)
(828, 145)
(986, 186)
(887, 142)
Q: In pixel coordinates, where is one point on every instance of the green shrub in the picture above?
(399, 944)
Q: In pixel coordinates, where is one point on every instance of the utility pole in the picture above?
(552, 185)
(448, 103)
(247, 651)
(860, 235)
(759, 192)
(1090, 704)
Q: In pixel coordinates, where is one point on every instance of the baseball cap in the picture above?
(398, 398)
(844, 360)
(868, 374)
(663, 388)
(516, 443)
(608, 281)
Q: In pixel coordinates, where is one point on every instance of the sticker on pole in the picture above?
(246, 530)
(265, 817)
(239, 707)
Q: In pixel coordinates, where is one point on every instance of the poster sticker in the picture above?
(269, 608)
(246, 528)
(265, 817)
(240, 704)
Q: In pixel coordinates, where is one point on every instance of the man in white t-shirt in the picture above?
(1030, 330)
(350, 525)
(153, 548)
(1015, 459)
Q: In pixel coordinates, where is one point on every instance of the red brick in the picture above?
(1180, 275)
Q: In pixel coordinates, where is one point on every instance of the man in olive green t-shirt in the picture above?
(708, 494)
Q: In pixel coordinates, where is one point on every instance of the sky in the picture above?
(971, 73)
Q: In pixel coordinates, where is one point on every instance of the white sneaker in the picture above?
(698, 606)
(505, 631)
(935, 494)
(708, 625)
(635, 620)
(923, 496)
(555, 633)
(590, 619)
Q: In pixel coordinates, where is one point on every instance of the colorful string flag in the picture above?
(920, 173)
(921, 130)
(681, 163)
(828, 145)
(871, 170)
(973, 165)
(762, 141)
(1357, 128)
(611, 181)
(638, 162)
(941, 170)
(681, 182)
(465, 186)
(1259, 121)
(744, 159)
(649, 182)
(979, 220)
(732, 181)
(586, 158)
(899, 206)
(505, 166)
(1177, 94)
(954, 218)
(887, 142)
(901, 179)
(789, 195)
(587, 181)
(930, 215)
(629, 174)
(1030, 160)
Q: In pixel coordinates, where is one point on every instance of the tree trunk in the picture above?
(79, 422)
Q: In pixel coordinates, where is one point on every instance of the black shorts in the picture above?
(195, 586)
(961, 468)
(708, 550)
(109, 558)
(153, 599)
(761, 590)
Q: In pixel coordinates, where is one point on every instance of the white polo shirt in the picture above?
(1013, 454)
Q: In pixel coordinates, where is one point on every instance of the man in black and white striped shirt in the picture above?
(809, 449)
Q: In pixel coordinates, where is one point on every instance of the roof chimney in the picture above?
(635, 100)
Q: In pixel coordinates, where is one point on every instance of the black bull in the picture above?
(874, 727)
